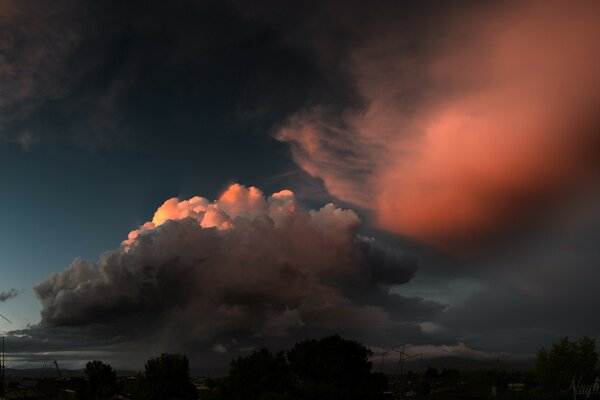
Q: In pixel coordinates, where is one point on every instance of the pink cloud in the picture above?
(236, 201)
(504, 126)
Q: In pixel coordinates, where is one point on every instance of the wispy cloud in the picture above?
(8, 295)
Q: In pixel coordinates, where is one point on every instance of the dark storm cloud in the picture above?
(34, 50)
(8, 295)
(533, 294)
(130, 74)
(383, 262)
(240, 271)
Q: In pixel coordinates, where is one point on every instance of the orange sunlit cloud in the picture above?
(236, 201)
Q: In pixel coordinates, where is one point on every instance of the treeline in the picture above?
(330, 368)
(335, 368)
(164, 377)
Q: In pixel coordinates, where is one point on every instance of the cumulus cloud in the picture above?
(472, 124)
(242, 269)
(8, 295)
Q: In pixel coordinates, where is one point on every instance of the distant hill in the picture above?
(462, 364)
(51, 373)
(391, 366)
(41, 373)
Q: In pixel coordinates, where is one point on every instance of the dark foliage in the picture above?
(102, 380)
(330, 368)
(566, 359)
(167, 378)
(450, 374)
(261, 375)
(333, 368)
(431, 373)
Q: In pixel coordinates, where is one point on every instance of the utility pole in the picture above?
(61, 387)
(402, 362)
(2, 392)
(402, 358)
(58, 370)
(2, 363)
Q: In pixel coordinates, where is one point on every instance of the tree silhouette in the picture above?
(556, 368)
(334, 368)
(261, 375)
(168, 378)
(102, 380)
(331, 368)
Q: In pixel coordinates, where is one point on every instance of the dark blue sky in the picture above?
(151, 103)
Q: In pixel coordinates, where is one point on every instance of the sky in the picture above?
(211, 177)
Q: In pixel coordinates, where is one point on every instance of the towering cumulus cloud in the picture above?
(471, 124)
(241, 269)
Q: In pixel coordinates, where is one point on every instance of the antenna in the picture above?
(402, 358)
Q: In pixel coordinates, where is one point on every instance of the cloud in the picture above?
(458, 349)
(479, 122)
(219, 348)
(34, 52)
(537, 292)
(69, 74)
(8, 295)
(238, 271)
